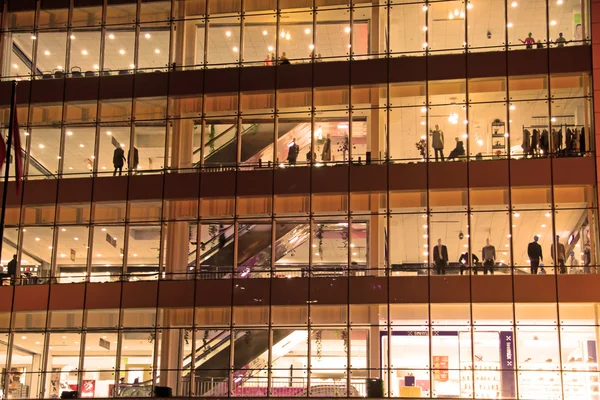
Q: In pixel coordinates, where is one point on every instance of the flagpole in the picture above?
(8, 160)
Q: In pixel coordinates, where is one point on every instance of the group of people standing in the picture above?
(119, 160)
(294, 150)
(559, 256)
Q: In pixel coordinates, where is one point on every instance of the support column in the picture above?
(170, 357)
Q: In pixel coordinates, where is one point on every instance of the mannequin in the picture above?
(464, 262)
(326, 152)
(437, 142)
(488, 255)
(440, 257)
(570, 139)
(458, 151)
(560, 256)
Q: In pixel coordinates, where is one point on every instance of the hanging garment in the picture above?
(526, 145)
(545, 142)
(535, 142)
(559, 139)
(569, 141)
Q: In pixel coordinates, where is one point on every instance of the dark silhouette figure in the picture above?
(118, 160)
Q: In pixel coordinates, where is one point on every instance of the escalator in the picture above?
(257, 137)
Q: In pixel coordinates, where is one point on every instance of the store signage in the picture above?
(104, 343)
(507, 360)
(88, 388)
(440, 365)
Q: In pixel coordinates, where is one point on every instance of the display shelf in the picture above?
(499, 142)
(540, 385)
(484, 380)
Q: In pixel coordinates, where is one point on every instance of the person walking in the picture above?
(559, 256)
(440, 257)
(534, 251)
(118, 160)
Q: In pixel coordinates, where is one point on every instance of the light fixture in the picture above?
(450, 16)
(509, 25)
(347, 29)
(37, 239)
(552, 23)
(424, 44)
(514, 4)
(235, 49)
(81, 145)
(111, 36)
(516, 215)
(265, 33)
(424, 7)
(270, 48)
(24, 337)
(423, 123)
(288, 36)
(15, 66)
(84, 52)
(63, 230)
(282, 34)
(135, 255)
(553, 119)
(103, 229)
(423, 109)
(33, 37)
(311, 46)
(354, 254)
(59, 67)
(228, 33)
(108, 133)
(69, 133)
(462, 14)
(96, 66)
(26, 133)
(559, 2)
(465, 122)
(543, 225)
(307, 31)
(470, 6)
(121, 52)
(547, 215)
(72, 37)
(480, 142)
(342, 126)
(453, 118)
(42, 146)
(456, 12)
(98, 255)
(425, 29)
(47, 52)
(512, 107)
(132, 66)
(147, 36)
(157, 51)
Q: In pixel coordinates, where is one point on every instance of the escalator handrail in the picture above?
(241, 230)
(208, 346)
(197, 164)
(215, 138)
(39, 165)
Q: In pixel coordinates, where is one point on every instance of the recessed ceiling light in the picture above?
(307, 31)
(71, 168)
(72, 37)
(424, 28)
(147, 36)
(84, 52)
(132, 66)
(96, 66)
(509, 25)
(228, 33)
(270, 48)
(121, 52)
(37, 239)
(288, 36)
(75, 238)
(98, 255)
(265, 33)
(235, 49)
(111, 36)
(553, 23)
(59, 67)
(512, 107)
(311, 46)
(103, 229)
(63, 230)
(69, 133)
(42, 146)
(559, 2)
(23, 337)
(157, 51)
(108, 133)
(33, 37)
(514, 4)
(15, 66)
(347, 29)
(47, 52)
(469, 6)
(135, 255)
(424, 7)
(82, 145)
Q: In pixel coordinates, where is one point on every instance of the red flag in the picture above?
(16, 141)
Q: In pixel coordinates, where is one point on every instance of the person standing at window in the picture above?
(534, 251)
(437, 142)
(293, 151)
(118, 160)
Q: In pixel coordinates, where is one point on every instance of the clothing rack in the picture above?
(557, 145)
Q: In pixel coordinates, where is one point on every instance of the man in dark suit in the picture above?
(534, 251)
(440, 257)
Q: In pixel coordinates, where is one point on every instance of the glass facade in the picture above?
(301, 198)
